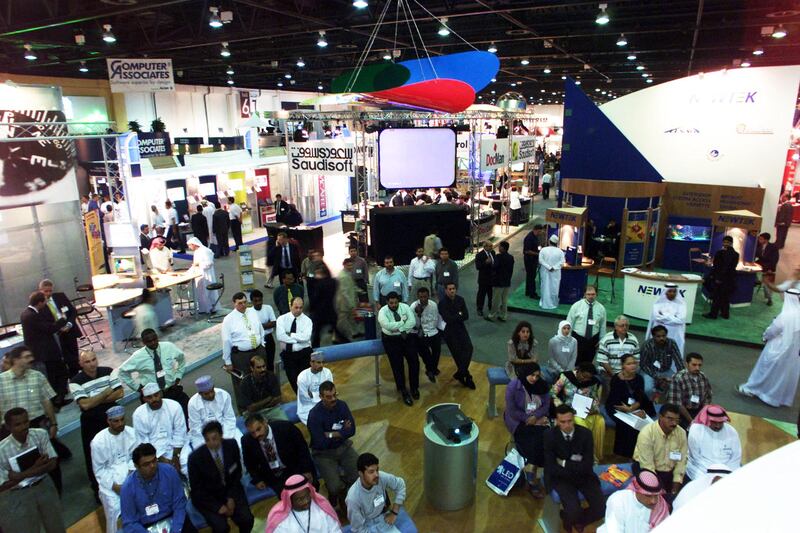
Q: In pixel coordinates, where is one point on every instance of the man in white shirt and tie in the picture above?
(587, 317)
(242, 338)
(293, 331)
(420, 272)
(429, 341)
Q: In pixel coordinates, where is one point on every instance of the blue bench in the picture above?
(253, 494)
(403, 523)
(550, 521)
(496, 376)
(350, 350)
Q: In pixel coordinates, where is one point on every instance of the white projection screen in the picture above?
(410, 158)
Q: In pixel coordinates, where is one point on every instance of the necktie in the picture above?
(289, 296)
(53, 309)
(269, 452)
(293, 329)
(396, 315)
(491, 258)
(253, 340)
(589, 316)
(287, 263)
(162, 383)
(568, 438)
(218, 462)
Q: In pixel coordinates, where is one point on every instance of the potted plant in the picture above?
(157, 126)
(134, 126)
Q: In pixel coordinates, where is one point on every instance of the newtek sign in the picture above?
(140, 75)
(322, 157)
(569, 219)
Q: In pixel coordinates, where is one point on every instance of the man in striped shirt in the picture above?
(614, 346)
(95, 391)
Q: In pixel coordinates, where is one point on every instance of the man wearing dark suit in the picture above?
(722, 279)
(281, 209)
(767, 255)
(60, 306)
(220, 223)
(286, 292)
(484, 264)
(408, 199)
(215, 478)
(144, 237)
(783, 220)
(275, 451)
(397, 199)
(200, 225)
(39, 329)
(284, 256)
(568, 459)
(530, 254)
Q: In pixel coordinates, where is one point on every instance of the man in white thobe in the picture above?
(551, 259)
(691, 490)
(160, 422)
(112, 451)
(638, 509)
(208, 212)
(712, 440)
(308, 383)
(669, 311)
(203, 263)
(210, 404)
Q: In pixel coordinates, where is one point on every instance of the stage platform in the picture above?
(745, 326)
(392, 431)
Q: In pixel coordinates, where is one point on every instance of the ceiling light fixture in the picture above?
(649, 80)
(494, 80)
(214, 21)
(229, 72)
(621, 40)
(224, 52)
(779, 32)
(645, 75)
(563, 77)
(639, 67)
(30, 55)
(745, 64)
(513, 84)
(602, 17)
(444, 31)
(492, 48)
(525, 62)
(578, 82)
(280, 84)
(83, 67)
(631, 57)
(108, 35)
(322, 42)
(287, 76)
(547, 69)
(387, 55)
(758, 51)
(301, 63)
(230, 81)
(360, 4)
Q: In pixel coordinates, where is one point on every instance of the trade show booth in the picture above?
(569, 227)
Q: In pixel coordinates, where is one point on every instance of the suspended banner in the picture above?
(494, 153)
(331, 158)
(523, 149)
(140, 75)
(323, 197)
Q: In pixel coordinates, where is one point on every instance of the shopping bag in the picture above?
(503, 478)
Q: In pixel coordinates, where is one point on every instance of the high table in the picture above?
(573, 281)
(642, 289)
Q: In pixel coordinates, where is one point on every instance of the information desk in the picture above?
(642, 289)
(746, 274)
(573, 281)
(309, 237)
(450, 469)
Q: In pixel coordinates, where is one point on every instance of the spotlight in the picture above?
(108, 35)
(214, 21)
(230, 81)
(280, 84)
(631, 57)
(513, 84)
(639, 67)
(649, 80)
(387, 55)
(621, 40)
(597, 90)
(645, 75)
(444, 31)
(563, 77)
(492, 48)
(525, 62)
(602, 17)
(360, 4)
(758, 51)
(301, 63)
(779, 32)
(494, 80)
(546, 70)
(229, 72)
(492, 92)
(578, 82)
(321, 42)
(319, 87)
(745, 64)
(83, 67)
(30, 55)
(224, 52)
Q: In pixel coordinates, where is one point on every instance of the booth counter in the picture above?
(574, 279)
(484, 224)
(309, 237)
(642, 289)
(494, 201)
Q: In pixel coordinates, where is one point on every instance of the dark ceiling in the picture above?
(671, 38)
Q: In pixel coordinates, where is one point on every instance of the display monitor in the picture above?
(176, 194)
(124, 265)
(208, 189)
(685, 232)
(410, 158)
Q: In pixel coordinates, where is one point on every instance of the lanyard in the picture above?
(308, 525)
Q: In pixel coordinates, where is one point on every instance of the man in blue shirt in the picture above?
(389, 279)
(153, 494)
(331, 425)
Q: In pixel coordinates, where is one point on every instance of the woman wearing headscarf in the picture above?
(626, 394)
(520, 348)
(774, 378)
(203, 262)
(301, 510)
(527, 407)
(562, 351)
(639, 508)
(583, 380)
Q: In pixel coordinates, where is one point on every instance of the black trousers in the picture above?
(294, 363)
(223, 248)
(241, 362)
(269, 346)
(429, 350)
(90, 426)
(236, 231)
(574, 513)
(780, 236)
(530, 279)
(586, 347)
(56, 372)
(69, 348)
(242, 517)
(545, 191)
(397, 349)
(320, 323)
(484, 291)
(721, 300)
(175, 239)
(528, 440)
(460, 346)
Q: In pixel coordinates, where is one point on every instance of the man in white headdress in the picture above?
(160, 422)
(712, 440)
(112, 450)
(551, 259)
(669, 311)
(209, 404)
(203, 262)
(692, 489)
(774, 378)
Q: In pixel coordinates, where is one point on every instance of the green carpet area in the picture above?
(745, 326)
(788, 427)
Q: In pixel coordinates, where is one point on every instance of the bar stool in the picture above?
(86, 312)
(130, 339)
(216, 286)
(608, 267)
(182, 301)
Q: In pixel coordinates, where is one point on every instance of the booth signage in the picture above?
(140, 75)
(494, 154)
(94, 241)
(570, 219)
(523, 148)
(323, 197)
(462, 145)
(635, 231)
(244, 104)
(735, 220)
(332, 158)
(154, 144)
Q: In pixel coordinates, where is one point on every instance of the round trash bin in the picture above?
(451, 469)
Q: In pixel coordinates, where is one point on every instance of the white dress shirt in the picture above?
(420, 269)
(308, 390)
(172, 216)
(234, 211)
(429, 320)
(300, 339)
(164, 428)
(242, 330)
(624, 514)
(201, 412)
(266, 314)
(513, 200)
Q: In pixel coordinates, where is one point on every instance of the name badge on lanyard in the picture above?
(151, 510)
(378, 501)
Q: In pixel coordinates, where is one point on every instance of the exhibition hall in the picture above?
(399, 266)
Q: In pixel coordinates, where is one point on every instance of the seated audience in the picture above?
(274, 451)
(614, 346)
(693, 488)
(215, 479)
(626, 395)
(153, 495)
(261, 392)
(690, 389)
(368, 506)
(660, 360)
(210, 404)
(159, 422)
(640, 507)
(520, 348)
(308, 383)
(527, 407)
(568, 470)
(562, 351)
(712, 440)
(583, 380)
(662, 448)
(301, 510)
